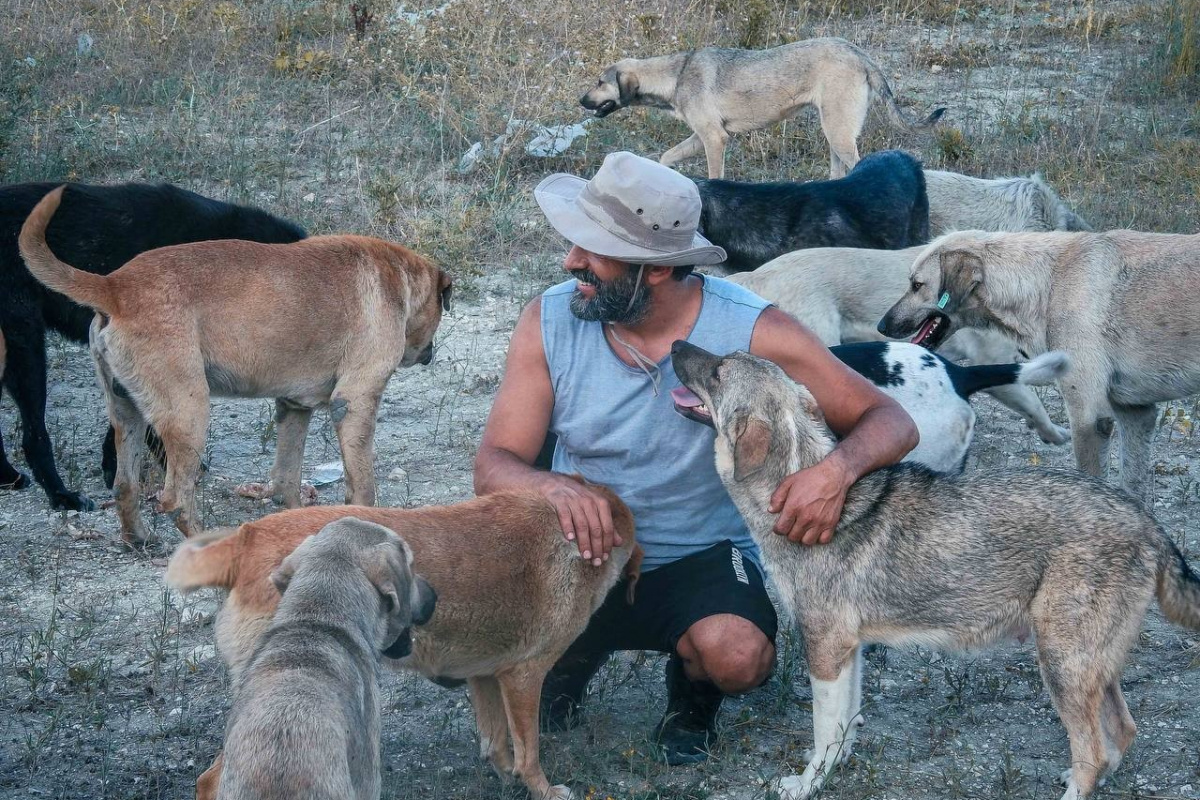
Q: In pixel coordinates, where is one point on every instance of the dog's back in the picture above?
(963, 202)
(880, 205)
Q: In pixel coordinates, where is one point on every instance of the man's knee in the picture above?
(731, 653)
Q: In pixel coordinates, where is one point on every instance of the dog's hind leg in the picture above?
(492, 723)
(1119, 727)
(833, 667)
(1078, 701)
(291, 430)
(1136, 426)
(129, 436)
(686, 149)
(209, 780)
(521, 689)
(842, 116)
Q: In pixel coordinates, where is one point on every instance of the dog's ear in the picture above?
(281, 576)
(962, 273)
(751, 443)
(633, 572)
(627, 87)
(445, 288)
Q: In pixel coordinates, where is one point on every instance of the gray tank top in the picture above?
(613, 430)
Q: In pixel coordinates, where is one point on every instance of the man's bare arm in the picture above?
(875, 431)
(513, 436)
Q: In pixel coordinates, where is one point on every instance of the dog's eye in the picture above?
(916, 286)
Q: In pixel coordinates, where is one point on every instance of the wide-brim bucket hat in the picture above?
(633, 209)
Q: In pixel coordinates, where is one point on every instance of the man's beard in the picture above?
(624, 300)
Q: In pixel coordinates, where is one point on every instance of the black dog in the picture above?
(98, 229)
(880, 205)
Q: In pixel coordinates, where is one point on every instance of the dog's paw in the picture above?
(14, 481)
(71, 501)
(1054, 434)
(797, 787)
(1064, 777)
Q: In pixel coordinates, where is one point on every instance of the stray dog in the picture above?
(720, 91)
(98, 229)
(936, 393)
(960, 202)
(880, 205)
(509, 603)
(840, 293)
(1118, 303)
(325, 320)
(949, 562)
(305, 714)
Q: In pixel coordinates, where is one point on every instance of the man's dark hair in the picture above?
(679, 273)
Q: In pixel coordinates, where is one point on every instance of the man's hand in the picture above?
(584, 515)
(809, 502)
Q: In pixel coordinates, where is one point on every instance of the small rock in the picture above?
(310, 197)
(935, 69)
(398, 474)
(83, 45)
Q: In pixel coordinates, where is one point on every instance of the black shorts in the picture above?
(672, 598)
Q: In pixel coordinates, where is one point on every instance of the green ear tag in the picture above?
(945, 298)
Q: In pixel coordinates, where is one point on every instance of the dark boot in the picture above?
(686, 731)
(564, 687)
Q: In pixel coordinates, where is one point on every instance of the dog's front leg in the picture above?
(834, 716)
(291, 430)
(521, 689)
(1092, 423)
(492, 724)
(686, 149)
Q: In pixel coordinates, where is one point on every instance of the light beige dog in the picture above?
(1119, 303)
(962, 202)
(323, 321)
(512, 596)
(949, 562)
(841, 292)
(720, 91)
(305, 714)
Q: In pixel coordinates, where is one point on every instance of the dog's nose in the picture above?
(882, 326)
(677, 346)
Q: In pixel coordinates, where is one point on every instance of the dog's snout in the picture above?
(882, 327)
(401, 647)
(426, 603)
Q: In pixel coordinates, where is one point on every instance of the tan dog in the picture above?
(305, 714)
(323, 321)
(512, 596)
(1119, 303)
(720, 91)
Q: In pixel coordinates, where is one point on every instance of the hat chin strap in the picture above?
(644, 363)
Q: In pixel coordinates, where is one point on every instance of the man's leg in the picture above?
(724, 643)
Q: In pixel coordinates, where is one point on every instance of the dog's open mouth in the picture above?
(691, 406)
(933, 331)
(606, 108)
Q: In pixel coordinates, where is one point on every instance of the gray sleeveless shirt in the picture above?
(613, 430)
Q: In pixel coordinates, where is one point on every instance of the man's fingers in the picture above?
(595, 532)
(785, 521)
(611, 538)
(779, 500)
(582, 531)
(564, 521)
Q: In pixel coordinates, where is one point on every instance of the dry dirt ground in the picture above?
(109, 686)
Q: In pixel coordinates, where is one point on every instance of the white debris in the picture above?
(544, 141)
(398, 474)
(325, 474)
(413, 18)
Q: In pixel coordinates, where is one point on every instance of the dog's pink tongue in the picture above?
(924, 331)
(684, 398)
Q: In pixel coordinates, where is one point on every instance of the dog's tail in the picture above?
(94, 291)
(1058, 215)
(882, 90)
(1046, 368)
(209, 559)
(1178, 588)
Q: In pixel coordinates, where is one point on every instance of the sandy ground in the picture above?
(111, 687)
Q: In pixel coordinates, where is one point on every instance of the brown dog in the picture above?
(322, 321)
(512, 596)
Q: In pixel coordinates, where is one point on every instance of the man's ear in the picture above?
(627, 87)
(751, 443)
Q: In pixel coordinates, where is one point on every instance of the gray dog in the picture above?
(305, 716)
(719, 91)
(946, 562)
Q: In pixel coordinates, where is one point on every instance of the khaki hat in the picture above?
(633, 209)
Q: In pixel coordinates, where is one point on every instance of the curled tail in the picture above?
(1046, 368)
(881, 89)
(209, 559)
(94, 291)
(1179, 589)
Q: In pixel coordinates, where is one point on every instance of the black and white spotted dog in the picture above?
(936, 392)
